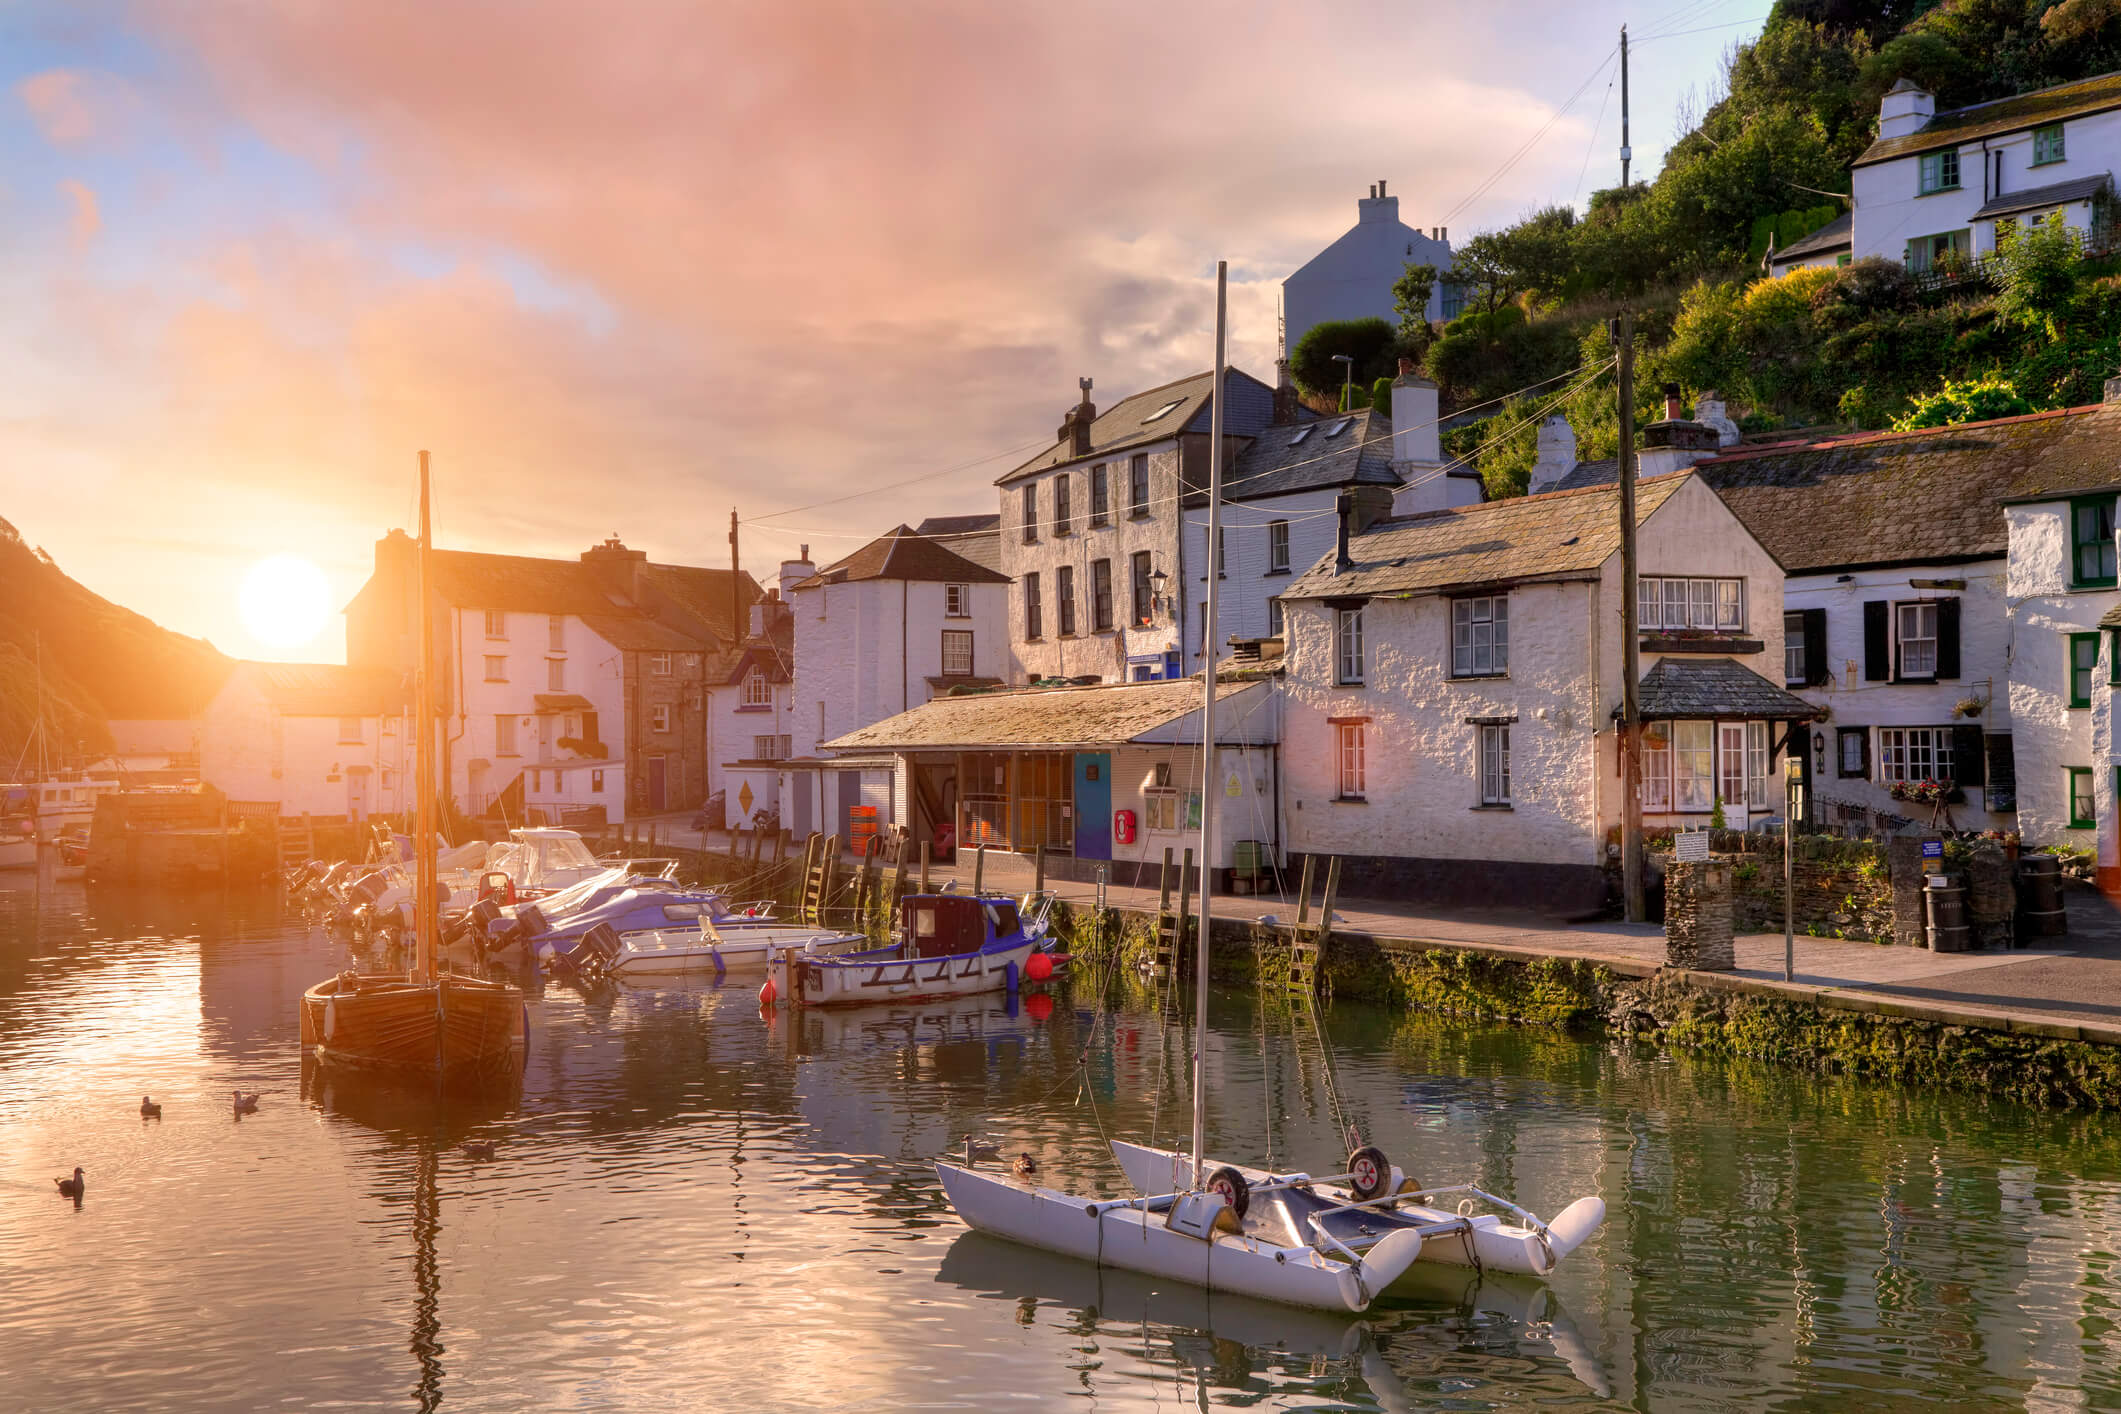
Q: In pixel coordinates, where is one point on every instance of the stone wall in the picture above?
(1697, 916)
(1842, 887)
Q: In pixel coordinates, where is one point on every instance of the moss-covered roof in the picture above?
(2002, 115)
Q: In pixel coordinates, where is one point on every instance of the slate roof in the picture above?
(977, 538)
(2053, 194)
(331, 689)
(702, 593)
(1837, 234)
(522, 583)
(2002, 115)
(1125, 424)
(636, 633)
(1311, 455)
(1559, 534)
(902, 553)
(1714, 687)
(1037, 717)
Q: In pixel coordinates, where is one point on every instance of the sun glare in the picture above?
(285, 601)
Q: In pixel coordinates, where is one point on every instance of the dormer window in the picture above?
(757, 691)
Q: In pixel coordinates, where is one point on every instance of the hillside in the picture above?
(100, 661)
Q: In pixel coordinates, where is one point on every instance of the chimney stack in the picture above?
(1671, 402)
(1285, 399)
(1905, 109)
(1673, 443)
(794, 572)
(1557, 454)
(1344, 508)
(1075, 426)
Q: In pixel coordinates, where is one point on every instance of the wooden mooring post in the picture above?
(979, 868)
(1038, 870)
(806, 908)
(924, 866)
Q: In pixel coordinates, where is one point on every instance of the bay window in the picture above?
(1688, 766)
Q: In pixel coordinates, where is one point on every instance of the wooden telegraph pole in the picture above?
(1630, 655)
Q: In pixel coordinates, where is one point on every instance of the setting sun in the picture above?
(285, 601)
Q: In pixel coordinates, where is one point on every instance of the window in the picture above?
(1204, 628)
(2047, 144)
(957, 601)
(659, 665)
(1693, 775)
(1918, 640)
(596, 782)
(659, 717)
(1494, 765)
(350, 731)
(1657, 766)
(690, 662)
(2082, 813)
(1144, 592)
(1138, 484)
(1031, 514)
(496, 668)
(1159, 809)
(504, 736)
(1348, 759)
(1064, 597)
(770, 748)
(1759, 787)
(1940, 172)
(1926, 253)
(1480, 637)
(1034, 609)
(757, 691)
(1793, 665)
(537, 779)
(2083, 667)
(555, 674)
(957, 653)
(1100, 495)
(1665, 603)
(1060, 505)
(1274, 618)
(1855, 745)
(1914, 753)
(556, 633)
(2091, 524)
(1222, 548)
(496, 623)
(1277, 547)
(1165, 411)
(1347, 645)
(1100, 595)
(1730, 764)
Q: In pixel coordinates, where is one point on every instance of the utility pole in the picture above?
(1625, 152)
(1630, 657)
(736, 588)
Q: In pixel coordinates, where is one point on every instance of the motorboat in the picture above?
(1374, 1198)
(542, 859)
(711, 945)
(949, 945)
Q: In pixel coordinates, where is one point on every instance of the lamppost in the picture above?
(1792, 787)
(1347, 385)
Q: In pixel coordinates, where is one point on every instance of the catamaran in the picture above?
(1335, 1242)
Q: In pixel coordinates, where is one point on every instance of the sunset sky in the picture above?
(622, 268)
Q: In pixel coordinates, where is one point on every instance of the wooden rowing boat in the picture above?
(458, 1027)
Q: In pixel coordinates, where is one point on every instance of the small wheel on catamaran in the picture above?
(1231, 1186)
(1368, 1172)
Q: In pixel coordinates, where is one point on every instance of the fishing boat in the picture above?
(426, 1022)
(949, 945)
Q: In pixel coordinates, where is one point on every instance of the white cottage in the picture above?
(310, 738)
(1452, 680)
(1353, 277)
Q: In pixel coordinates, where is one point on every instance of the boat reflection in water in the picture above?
(418, 1123)
(1233, 1342)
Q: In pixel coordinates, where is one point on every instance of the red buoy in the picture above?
(1038, 967)
(1038, 1006)
(768, 993)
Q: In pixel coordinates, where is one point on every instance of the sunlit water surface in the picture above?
(692, 1207)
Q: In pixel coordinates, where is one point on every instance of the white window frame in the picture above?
(1793, 664)
(555, 674)
(1907, 754)
(1657, 768)
(957, 601)
(1277, 547)
(659, 665)
(497, 624)
(1908, 622)
(1350, 769)
(961, 639)
(496, 667)
(1731, 785)
(1495, 764)
(757, 691)
(1160, 809)
(504, 735)
(1693, 766)
(350, 732)
(1480, 636)
(1673, 602)
(1759, 754)
(659, 717)
(1348, 662)
(556, 633)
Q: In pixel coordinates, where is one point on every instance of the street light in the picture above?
(1347, 386)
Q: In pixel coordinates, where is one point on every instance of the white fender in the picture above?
(1573, 1224)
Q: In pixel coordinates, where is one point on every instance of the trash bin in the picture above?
(2040, 897)
(1945, 903)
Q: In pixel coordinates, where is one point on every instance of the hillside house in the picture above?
(310, 738)
(1091, 537)
(1353, 277)
(1453, 679)
(1935, 186)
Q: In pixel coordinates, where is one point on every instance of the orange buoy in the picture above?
(1038, 967)
(1038, 1006)
(768, 993)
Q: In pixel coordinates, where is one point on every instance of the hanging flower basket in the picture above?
(1927, 792)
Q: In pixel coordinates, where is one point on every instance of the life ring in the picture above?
(1369, 1171)
(1228, 1184)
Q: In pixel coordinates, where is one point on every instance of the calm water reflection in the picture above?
(690, 1207)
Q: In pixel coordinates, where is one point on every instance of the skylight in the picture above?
(1301, 433)
(1339, 427)
(1163, 411)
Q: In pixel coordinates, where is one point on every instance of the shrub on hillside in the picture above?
(1369, 342)
(1974, 400)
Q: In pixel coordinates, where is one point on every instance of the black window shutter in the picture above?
(1969, 757)
(1947, 638)
(1877, 641)
(2002, 773)
(1817, 671)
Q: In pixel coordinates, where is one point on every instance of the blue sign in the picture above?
(1933, 849)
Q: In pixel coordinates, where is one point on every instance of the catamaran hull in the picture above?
(1136, 1240)
(1490, 1245)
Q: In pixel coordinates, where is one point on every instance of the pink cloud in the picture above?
(75, 106)
(86, 220)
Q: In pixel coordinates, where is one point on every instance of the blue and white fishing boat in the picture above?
(949, 945)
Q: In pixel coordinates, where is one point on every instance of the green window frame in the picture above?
(2083, 812)
(2083, 667)
(2047, 145)
(1939, 171)
(2091, 542)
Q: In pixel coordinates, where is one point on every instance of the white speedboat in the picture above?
(710, 947)
(1374, 1198)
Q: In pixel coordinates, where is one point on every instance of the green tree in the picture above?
(1368, 341)
(1975, 400)
(1410, 296)
(2041, 269)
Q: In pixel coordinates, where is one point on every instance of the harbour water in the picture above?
(692, 1207)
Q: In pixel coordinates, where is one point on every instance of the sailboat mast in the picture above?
(1207, 730)
(423, 760)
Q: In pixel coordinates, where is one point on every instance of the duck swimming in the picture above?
(474, 1149)
(246, 1104)
(149, 1109)
(72, 1187)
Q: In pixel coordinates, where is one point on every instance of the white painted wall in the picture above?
(2051, 736)
(250, 752)
(1890, 212)
(1248, 583)
(1353, 277)
(1984, 671)
(1088, 652)
(557, 788)
(595, 670)
(864, 650)
(732, 732)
